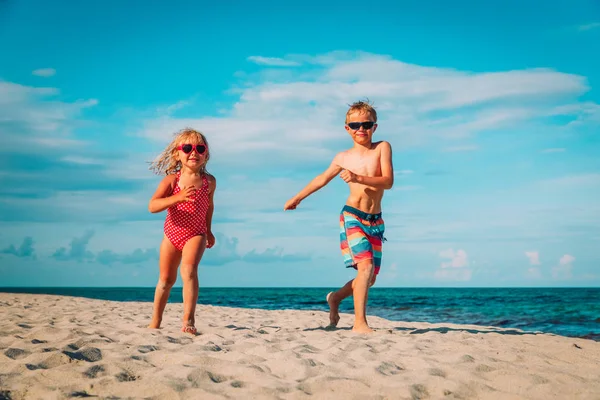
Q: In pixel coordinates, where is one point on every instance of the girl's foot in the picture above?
(191, 329)
(154, 324)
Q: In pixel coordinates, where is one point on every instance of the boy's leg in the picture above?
(335, 298)
(168, 261)
(360, 292)
(192, 253)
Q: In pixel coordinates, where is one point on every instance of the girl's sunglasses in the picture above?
(356, 125)
(187, 148)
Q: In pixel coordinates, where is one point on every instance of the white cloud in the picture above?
(453, 149)
(456, 269)
(406, 188)
(458, 258)
(588, 27)
(533, 256)
(591, 179)
(417, 105)
(44, 72)
(273, 61)
(34, 114)
(534, 273)
(564, 269)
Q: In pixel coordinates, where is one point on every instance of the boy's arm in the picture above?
(385, 181)
(316, 184)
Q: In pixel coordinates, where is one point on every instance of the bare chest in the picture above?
(363, 164)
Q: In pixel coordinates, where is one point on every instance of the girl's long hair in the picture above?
(166, 163)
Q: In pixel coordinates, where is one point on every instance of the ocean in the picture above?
(573, 312)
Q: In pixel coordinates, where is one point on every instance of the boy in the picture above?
(367, 168)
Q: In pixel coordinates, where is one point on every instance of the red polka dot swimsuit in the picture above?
(188, 218)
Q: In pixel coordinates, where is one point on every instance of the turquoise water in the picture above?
(571, 312)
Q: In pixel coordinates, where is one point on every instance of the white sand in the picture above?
(60, 347)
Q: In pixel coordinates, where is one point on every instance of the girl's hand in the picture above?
(186, 193)
(210, 240)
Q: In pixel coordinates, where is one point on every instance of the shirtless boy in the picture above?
(367, 168)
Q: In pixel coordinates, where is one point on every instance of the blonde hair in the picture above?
(167, 163)
(363, 107)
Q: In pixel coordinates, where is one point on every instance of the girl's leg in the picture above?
(192, 254)
(168, 261)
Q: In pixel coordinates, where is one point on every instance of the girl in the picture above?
(187, 194)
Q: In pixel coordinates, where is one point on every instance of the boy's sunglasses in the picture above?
(187, 148)
(356, 125)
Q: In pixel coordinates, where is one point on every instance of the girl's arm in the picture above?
(162, 199)
(210, 238)
(211, 203)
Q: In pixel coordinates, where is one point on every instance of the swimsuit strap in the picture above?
(205, 181)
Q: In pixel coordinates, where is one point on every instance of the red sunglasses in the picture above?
(187, 148)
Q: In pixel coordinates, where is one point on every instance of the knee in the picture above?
(366, 268)
(166, 282)
(373, 279)
(189, 272)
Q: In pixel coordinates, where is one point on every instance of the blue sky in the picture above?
(493, 113)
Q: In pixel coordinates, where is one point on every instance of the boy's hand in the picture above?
(186, 193)
(210, 239)
(291, 204)
(348, 176)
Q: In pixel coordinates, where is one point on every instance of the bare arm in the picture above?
(316, 184)
(161, 200)
(211, 203)
(386, 180)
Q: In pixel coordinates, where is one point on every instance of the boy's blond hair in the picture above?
(166, 163)
(363, 107)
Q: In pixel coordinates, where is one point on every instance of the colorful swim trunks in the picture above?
(361, 237)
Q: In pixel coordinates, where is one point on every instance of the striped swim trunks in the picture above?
(361, 237)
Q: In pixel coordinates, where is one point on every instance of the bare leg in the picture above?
(192, 253)
(168, 262)
(335, 298)
(360, 292)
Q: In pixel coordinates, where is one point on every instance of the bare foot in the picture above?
(362, 329)
(334, 315)
(154, 324)
(191, 329)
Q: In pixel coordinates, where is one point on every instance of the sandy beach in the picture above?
(55, 347)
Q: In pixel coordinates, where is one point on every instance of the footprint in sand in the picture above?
(183, 340)
(389, 368)
(93, 371)
(418, 392)
(437, 372)
(15, 354)
(147, 348)
(89, 354)
(200, 377)
(126, 376)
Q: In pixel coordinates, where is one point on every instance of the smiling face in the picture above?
(192, 151)
(361, 126)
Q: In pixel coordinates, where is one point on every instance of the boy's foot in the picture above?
(362, 329)
(191, 329)
(334, 315)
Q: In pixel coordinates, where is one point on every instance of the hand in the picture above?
(291, 204)
(348, 176)
(210, 239)
(186, 193)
